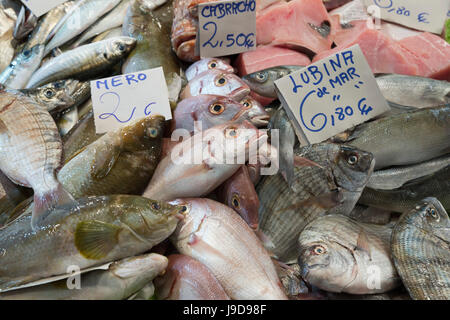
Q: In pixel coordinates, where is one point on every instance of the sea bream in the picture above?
(31, 151)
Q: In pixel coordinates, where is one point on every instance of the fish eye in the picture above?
(235, 201)
(352, 159)
(247, 104)
(261, 76)
(231, 132)
(27, 53)
(49, 93)
(155, 206)
(153, 132)
(216, 108)
(121, 47)
(318, 250)
(212, 64)
(221, 81)
(184, 209)
(432, 212)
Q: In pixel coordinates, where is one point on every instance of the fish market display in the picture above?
(188, 279)
(213, 234)
(93, 232)
(421, 250)
(83, 61)
(220, 198)
(122, 279)
(31, 157)
(338, 254)
(331, 183)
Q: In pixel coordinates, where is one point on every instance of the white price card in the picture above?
(118, 101)
(331, 96)
(41, 7)
(429, 15)
(226, 27)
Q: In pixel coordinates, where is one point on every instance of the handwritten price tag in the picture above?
(429, 15)
(331, 95)
(226, 27)
(120, 100)
(40, 7)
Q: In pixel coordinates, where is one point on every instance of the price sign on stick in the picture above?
(40, 7)
(331, 95)
(429, 15)
(226, 27)
(118, 101)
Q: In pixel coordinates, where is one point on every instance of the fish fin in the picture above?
(45, 203)
(95, 239)
(363, 243)
(104, 161)
(304, 162)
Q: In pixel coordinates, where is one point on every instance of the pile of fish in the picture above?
(362, 215)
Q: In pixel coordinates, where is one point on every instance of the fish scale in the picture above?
(421, 256)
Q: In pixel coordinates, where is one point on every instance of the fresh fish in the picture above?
(120, 162)
(8, 17)
(184, 29)
(218, 83)
(19, 72)
(67, 120)
(199, 164)
(188, 279)
(55, 96)
(122, 279)
(26, 22)
(414, 91)
(238, 192)
(111, 20)
(420, 247)
(96, 231)
(80, 136)
(263, 82)
(217, 237)
(206, 64)
(31, 151)
(116, 32)
(396, 177)
(404, 138)
(80, 16)
(256, 113)
(280, 121)
(338, 254)
(364, 214)
(212, 110)
(83, 61)
(151, 28)
(404, 198)
(46, 24)
(331, 182)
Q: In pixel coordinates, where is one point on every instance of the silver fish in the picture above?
(19, 72)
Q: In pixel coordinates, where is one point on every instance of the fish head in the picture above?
(150, 219)
(352, 167)
(208, 64)
(31, 56)
(261, 82)
(325, 264)
(219, 83)
(58, 93)
(430, 215)
(144, 134)
(119, 47)
(219, 110)
(255, 112)
(231, 143)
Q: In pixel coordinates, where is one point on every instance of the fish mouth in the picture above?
(260, 121)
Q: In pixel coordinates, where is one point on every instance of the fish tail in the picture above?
(45, 203)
